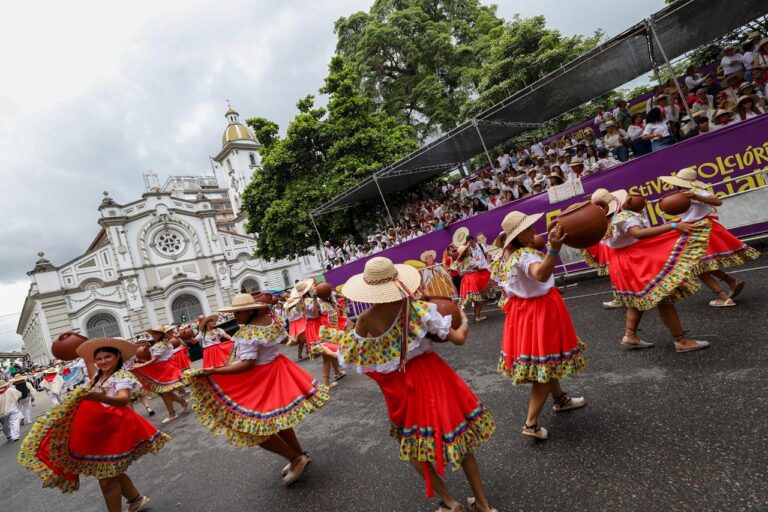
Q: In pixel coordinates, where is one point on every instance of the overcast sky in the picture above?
(94, 93)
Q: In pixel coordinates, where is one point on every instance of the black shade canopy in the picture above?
(680, 27)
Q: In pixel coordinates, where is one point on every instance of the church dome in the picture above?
(235, 130)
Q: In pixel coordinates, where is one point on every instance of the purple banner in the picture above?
(727, 154)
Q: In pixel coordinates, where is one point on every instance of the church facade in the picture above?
(164, 258)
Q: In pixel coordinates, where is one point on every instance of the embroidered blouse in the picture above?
(620, 225)
(162, 350)
(308, 308)
(121, 379)
(382, 354)
(699, 209)
(260, 343)
(213, 337)
(514, 276)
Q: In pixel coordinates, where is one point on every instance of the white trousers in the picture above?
(25, 408)
(55, 397)
(11, 423)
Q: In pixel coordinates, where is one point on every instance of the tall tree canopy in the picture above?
(419, 59)
(324, 151)
(524, 51)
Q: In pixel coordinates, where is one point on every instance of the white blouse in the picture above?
(699, 209)
(521, 282)
(211, 338)
(118, 381)
(620, 225)
(162, 350)
(659, 128)
(260, 350)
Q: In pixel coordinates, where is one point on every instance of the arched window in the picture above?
(253, 158)
(186, 308)
(102, 325)
(286, 279)
(250, 286)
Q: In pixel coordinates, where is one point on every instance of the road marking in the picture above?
(747, 269)
(587, 295)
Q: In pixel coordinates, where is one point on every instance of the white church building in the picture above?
(163, 258)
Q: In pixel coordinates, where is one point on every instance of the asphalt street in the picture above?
(661, 432)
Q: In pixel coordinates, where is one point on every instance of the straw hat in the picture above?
(382, 282)
(610, 124)
(735, 77)
(88, 348)
(50, 371)
(243, 302)
(424, 255)
(302, 287)
(499, 240)
(614, 199)
(4, 384)
(575, 161)
(460, 235)
(463, 248)
(291, 302)
(210, 318)
(722, 112)
(685, 178)
(745, 98)
(161, 328)
(517, 222)
(17, 378)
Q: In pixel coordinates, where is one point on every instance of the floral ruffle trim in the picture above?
(566, 366)
(418, 443)
(674, 282)
(264, 334)
(712, 262)
(368, 354)
(238, 429)
(154, 387)
(472, 297)
(602, 269)
(56, 426)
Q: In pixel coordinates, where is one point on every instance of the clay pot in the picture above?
(142, 352)
(539, 243)
(674, 203)
(285, 295)
(635, 203)
(187, 334)
(446, 306)
(585, 223)
(262, 297)
(323, 290)
(175, 342)
(65, 345)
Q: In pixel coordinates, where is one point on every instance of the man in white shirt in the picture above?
(505, 162)
(732, 61)
(537, 148)
(475, 186)
(600, 120)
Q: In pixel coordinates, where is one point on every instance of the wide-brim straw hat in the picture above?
(4, 384)
(722, 112)
(499, 240)
(575, 161)
(460, 236)
(243, 302)
(744, 98)
(88, 348)
(292, 302)
(685, 178)
(423, 256)
(517, 222)
(382, 282)
(302, 287)
(614, 199)
(735, 77)
(50, 371)
(463, 248)
(210, 318)
(17, 378)
(161, 328)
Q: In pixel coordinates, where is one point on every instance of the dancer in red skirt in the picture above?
(597, 255)
(724, 249)
(94, 432)
(539, 344)
(294, 308)
(160, 374)
(259, 399)
(435, 416)
(650, 267)
(472, 263)
(218, 348)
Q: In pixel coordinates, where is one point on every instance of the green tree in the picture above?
(419, 59)
(524, 51)
(324, 152)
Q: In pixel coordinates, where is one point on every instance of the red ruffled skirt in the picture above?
(657, 269)
(181, 358)
(297, 327)
(724, 249)
(251, 406)
(539, 342)
(598, 257)
(474, 283)
(83, 437)
(218, 354)
(160, 377)
(312, 329)
(435, 416)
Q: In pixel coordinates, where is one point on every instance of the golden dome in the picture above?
(235, 132)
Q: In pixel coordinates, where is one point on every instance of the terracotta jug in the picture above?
(323, 290)
(65, 345)
(175, 342)
(585, 223)
(635, 203)
(142, 352)
(446, 306)
(674, 203)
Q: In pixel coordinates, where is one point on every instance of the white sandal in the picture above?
(169, 419)
(293, 474)
(473, 507)
(720, 303)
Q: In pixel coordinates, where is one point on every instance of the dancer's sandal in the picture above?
(140, 502)
(472, 504)
(169, 419)
(738, 287)
(287, 467)
(722, 303)
(627, 342)
(331, 385)
(150, 411)
(293, 474)
(446, 508)
(566, 403)
(682, 348)
(340, 376)
(536, 431)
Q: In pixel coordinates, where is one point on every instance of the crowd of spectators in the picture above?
(709, 102)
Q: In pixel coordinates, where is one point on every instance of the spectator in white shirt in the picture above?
(693, 79)
(600, 120)
(640, 146)
(504, 160)
(616, 141)
(750, 50)
(722, 119)
(537, 148)
(732, 61)
(656, 130)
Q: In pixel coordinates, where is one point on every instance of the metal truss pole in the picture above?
(671, 69)
(319, 238)
(376, 181)
(487, 154)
